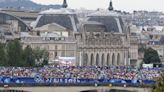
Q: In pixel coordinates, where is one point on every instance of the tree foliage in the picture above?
(160, 84)
(41, 56)
(151, 56)
(12, 54)
(2, 54)
(28, 57)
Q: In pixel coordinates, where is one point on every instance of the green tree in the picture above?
(14, 53)
(41, 56)
(160, 84)
(151, 56)
(45, 57)
(28, 57)
(2, 55)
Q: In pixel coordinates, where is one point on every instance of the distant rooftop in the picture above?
(22, 14)
(104, 13)
(58, 11)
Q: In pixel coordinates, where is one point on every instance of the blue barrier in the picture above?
(29, 80)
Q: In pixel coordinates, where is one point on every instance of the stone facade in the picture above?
(133, 50)
(100, 39)
(102, 48)
(89, 48)
(57, 47)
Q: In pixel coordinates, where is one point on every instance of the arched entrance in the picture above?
(108, 59)
(102, 60)
(118, 59)
(113, 59)
(92, 60)
(85, 59)
(97, 59)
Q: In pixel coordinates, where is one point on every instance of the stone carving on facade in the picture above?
(102, 39)
(102, 43)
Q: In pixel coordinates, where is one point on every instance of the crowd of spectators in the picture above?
(92, 72)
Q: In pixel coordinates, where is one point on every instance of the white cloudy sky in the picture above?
(128, 5)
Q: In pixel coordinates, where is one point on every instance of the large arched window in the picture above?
(85, 59)
(97, 59)
(92, 60)
(102, 60)
(118, 59)
(108, 59)
(113, 59)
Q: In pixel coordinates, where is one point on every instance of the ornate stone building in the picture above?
(56, 46)
(100, 39)
(102, 48)
(103, 39)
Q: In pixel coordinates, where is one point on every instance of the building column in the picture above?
(100, 59)
(121, 58)
(89, 59)
(116, 54)
(111, 58)
(105, 59)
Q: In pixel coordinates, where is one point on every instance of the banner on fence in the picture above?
(29, 80)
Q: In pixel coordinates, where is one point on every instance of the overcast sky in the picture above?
(127, 5)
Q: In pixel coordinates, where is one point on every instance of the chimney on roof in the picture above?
(65, 5)
(110, 6)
